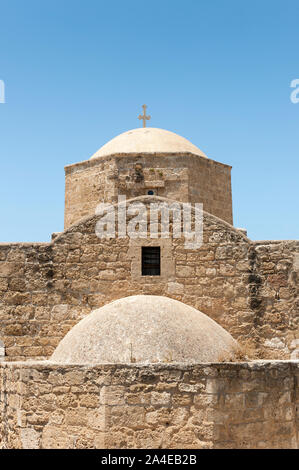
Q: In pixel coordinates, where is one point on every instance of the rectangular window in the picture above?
(151, 265)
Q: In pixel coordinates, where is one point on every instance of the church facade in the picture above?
(119, 393)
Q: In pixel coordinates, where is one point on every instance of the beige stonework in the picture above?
(145, 329)
(167, 260)
(200, 406)
(184, 177)
(249, 288)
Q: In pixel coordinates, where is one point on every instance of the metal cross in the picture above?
(144, 117)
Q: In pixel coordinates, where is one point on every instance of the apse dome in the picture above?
(148, 140)
(145, 329)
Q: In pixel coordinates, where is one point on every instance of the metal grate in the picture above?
(151, 265)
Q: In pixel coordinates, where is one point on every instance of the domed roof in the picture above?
(148, 140)
(145, 328)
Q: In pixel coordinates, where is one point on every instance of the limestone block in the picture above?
(29, 438)
(112, 395)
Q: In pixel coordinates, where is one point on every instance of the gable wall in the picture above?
(45, 289)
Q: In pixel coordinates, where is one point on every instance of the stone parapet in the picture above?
(224, 405)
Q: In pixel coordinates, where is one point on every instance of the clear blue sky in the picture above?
(216, 72)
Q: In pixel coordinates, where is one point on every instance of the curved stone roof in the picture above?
(145, 328)
(148, 140)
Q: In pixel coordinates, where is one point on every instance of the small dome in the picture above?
(148, 140)
(145, 328)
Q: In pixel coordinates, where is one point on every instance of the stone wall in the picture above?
(183, 178)
(10, 406)
(86, 185)
(242, 405)
(248, 288)
(273, 294)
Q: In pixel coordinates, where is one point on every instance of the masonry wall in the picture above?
(251, 289)
(274, 294)
(184, 178)
(10, 406)
(243, 405)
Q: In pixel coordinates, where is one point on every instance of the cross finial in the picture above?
(144, 117)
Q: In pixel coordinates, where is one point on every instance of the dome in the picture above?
(148, 140)
(145, 328)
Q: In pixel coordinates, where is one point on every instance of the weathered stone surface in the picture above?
(145, 328)
(60, 290)
(249, 288)
(179, 172)
(199, 406)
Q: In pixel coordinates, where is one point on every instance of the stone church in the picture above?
(142, 342)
